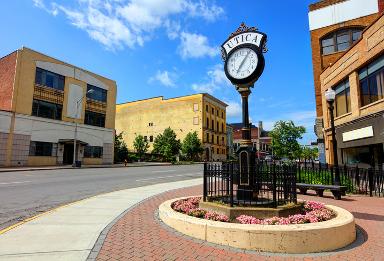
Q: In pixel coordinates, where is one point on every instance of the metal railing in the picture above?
(273, 185)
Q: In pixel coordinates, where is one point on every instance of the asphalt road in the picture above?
(26, 193)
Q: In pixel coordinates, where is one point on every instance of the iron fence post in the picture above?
(274, 185)
(205, 182)
(370, 181)
(231, 184)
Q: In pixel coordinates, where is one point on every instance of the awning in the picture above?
(70, 141)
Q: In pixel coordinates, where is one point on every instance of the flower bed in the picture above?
(313, 212)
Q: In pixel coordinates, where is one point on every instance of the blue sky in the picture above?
(171, 48)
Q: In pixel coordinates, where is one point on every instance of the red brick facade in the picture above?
(381, 6)
(7, 76)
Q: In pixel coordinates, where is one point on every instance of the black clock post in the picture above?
(244, 64)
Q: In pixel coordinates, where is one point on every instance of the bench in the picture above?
(337, 191)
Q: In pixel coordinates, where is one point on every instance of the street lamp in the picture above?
(330, 96)
(75, 135)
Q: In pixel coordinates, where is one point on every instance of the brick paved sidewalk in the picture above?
(139, 235)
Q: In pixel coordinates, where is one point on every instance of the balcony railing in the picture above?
(48, 94)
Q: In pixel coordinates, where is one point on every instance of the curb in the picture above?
(94, 167)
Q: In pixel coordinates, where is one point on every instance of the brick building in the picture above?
(335, 26)
(260, 138)
(41, 98)
(358, 79)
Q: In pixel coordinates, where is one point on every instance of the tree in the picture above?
(191, 146)
(284, 139)
(167, 145)
(120, 149)
(141, 145)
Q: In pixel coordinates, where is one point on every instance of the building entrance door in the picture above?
(68, 154)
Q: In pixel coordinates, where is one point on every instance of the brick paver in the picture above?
(140, 236)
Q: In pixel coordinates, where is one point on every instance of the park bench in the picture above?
(337, 191)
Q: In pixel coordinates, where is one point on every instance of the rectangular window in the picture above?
(46, 110)
(207, 138)
(206, 108)
(213, 139)
(328, 45)
(195, 107)
(213, 111)
(94, 119)
(196, 120)
(145, 138)
(38, 148)
(342, 100)
(150, 124)
(217, 140)
(207, 123)
(150, 138)
(213, 125)
(93, 152)
(372, 82)
(97, 94)
(49, 79)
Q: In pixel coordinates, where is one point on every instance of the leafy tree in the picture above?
(284, 139)
(191, 146)
(167, 145)
(309, 153)
(120, 149)
(141, 145)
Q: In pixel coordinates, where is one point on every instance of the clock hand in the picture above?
(242, 62)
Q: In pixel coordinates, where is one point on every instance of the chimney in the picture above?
(260, 126)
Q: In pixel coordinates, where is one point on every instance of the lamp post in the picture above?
(330, 96)
(75, 135)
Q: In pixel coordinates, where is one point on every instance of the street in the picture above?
(26, 193)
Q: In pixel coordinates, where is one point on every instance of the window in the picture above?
(145, 138)
(196, 120)
(213, 111)
(150, 138)
(206, 108)
(38, 148)
(222, 141)
(195, 107)
(207, 138)
(150, 124)
(217, 126)
(217, 140)
(49, 79)
(217, 151)
(207, 123)
(343, 99)
(94, 119)
(372, 82)
(98, 94)
(93, 152)
(47, 110)
(213, 125)
(212, 139)
(340, 40)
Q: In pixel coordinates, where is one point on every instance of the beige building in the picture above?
(41, 99)
(202, 113)
(358, 79)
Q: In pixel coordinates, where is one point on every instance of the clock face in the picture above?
(242, 63)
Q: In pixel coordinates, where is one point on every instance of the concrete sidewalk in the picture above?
(136, 164)
(70, 232)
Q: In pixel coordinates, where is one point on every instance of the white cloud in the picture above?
(164, 77)
(129, 23)
(233, 109)
(215, 80)
(196, 46)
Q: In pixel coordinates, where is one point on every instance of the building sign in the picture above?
(243, 55)
(358, 134)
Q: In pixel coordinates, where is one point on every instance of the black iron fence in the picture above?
(368, 181)
(267, 185)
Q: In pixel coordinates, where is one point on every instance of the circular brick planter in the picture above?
(304, 238)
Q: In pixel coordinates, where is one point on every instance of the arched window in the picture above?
(340, 40)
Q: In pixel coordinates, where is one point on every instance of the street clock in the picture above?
(243, 56)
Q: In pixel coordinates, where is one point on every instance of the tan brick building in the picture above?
(202, 113)
(41, 98)
(358, 79)
(335, 26)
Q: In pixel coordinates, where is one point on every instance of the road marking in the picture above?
(173, 176)
(160, 171)
(15, 182)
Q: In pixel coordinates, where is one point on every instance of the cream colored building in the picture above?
(358, 79)
(202, 113)
(41, 98)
